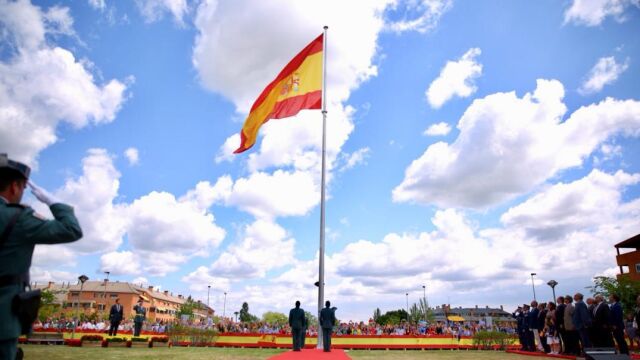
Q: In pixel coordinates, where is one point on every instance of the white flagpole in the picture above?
(324, 145)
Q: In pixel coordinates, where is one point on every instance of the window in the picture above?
(638, 268)
(75, 293)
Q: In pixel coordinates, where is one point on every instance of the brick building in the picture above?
(629, 262)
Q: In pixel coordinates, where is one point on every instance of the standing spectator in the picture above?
(631, 330)
(551, 331)
(570, 333)
(528, 331)
(115, 317)
(534, 325)
(559, 321)
(600, 326)
(542, 315)
(617, 323)
(582, 320)
(519, 316)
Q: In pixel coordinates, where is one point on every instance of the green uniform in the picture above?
(15, 254)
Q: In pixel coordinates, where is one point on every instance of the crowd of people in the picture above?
(572, 325)
(62, 324)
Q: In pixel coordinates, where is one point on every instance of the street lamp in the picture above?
(82, 279)
(208, 290)
(533, 286)
(553, 284)
(104, 293)
(407, 306)
(224, 306)
(424, 295)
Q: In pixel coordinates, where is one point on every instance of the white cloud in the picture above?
(132, 156)
(421, 16)
(141, 281)
(41, 275)
(264, 246)
(93, 196)
(456, 79)
(565, 208)
(593, 12)
(356, 158)
(120, 263)
(42, 85)
(439, 129)
(269, 196)
(604, 72)
(508, 145)
(98, 4)
(154, 10)
(53, 256)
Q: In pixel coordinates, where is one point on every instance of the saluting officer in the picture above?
(138, 320)
(20, 230)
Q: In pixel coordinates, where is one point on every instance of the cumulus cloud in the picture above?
(508, 145)
(594, 12)
(154, 10)
(421, 16)
(120, 263)
(98, 4)
(357, 157)
(132, 156)
(604, 72)
(42, 85)
(439, 129)
(93, 196)
(264, 245)
(565, 208)
(456, 79)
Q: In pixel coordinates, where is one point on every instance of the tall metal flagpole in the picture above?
(324, 145)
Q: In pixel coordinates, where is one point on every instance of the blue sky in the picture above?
(469, 145)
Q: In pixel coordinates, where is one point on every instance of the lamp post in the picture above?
(533, 287)
(208, 291)
(407, 294)
(224, 306)
(82, 279)
(424, 295)
(104, 293)
(553, 284)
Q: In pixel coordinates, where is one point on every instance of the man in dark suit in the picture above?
(617, 323)
(534, 325)
(600, 325)
(296, 322)
(115, 317)
(559, 319)
(327, 321)
(582, 320)
(529, 344)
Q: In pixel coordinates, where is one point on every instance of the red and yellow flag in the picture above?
(297, 87)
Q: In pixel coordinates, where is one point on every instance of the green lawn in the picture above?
(52, 352)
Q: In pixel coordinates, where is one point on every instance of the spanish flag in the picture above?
(297, 87)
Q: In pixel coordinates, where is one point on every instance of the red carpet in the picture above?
(311, 354)
(541, 354)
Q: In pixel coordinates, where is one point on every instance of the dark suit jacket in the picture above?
(615, 316)
(560, 316)
(327, 318)
(581, 316)
(296, 318)
(116, 315)
(601, 316)
(532, 321)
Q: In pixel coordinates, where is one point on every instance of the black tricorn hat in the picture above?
(20, 168)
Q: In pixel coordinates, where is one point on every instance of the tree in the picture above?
(48, 304)
(312, 320)
(275, 318)
(627, 289)
(420, 312)
(245, 316)
(187, 308)
(376, 314)
(393, 317)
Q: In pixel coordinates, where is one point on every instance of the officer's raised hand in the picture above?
(43, 195)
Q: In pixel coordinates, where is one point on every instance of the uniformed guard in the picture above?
(327, 321)
(138, 320)
(20, 230)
